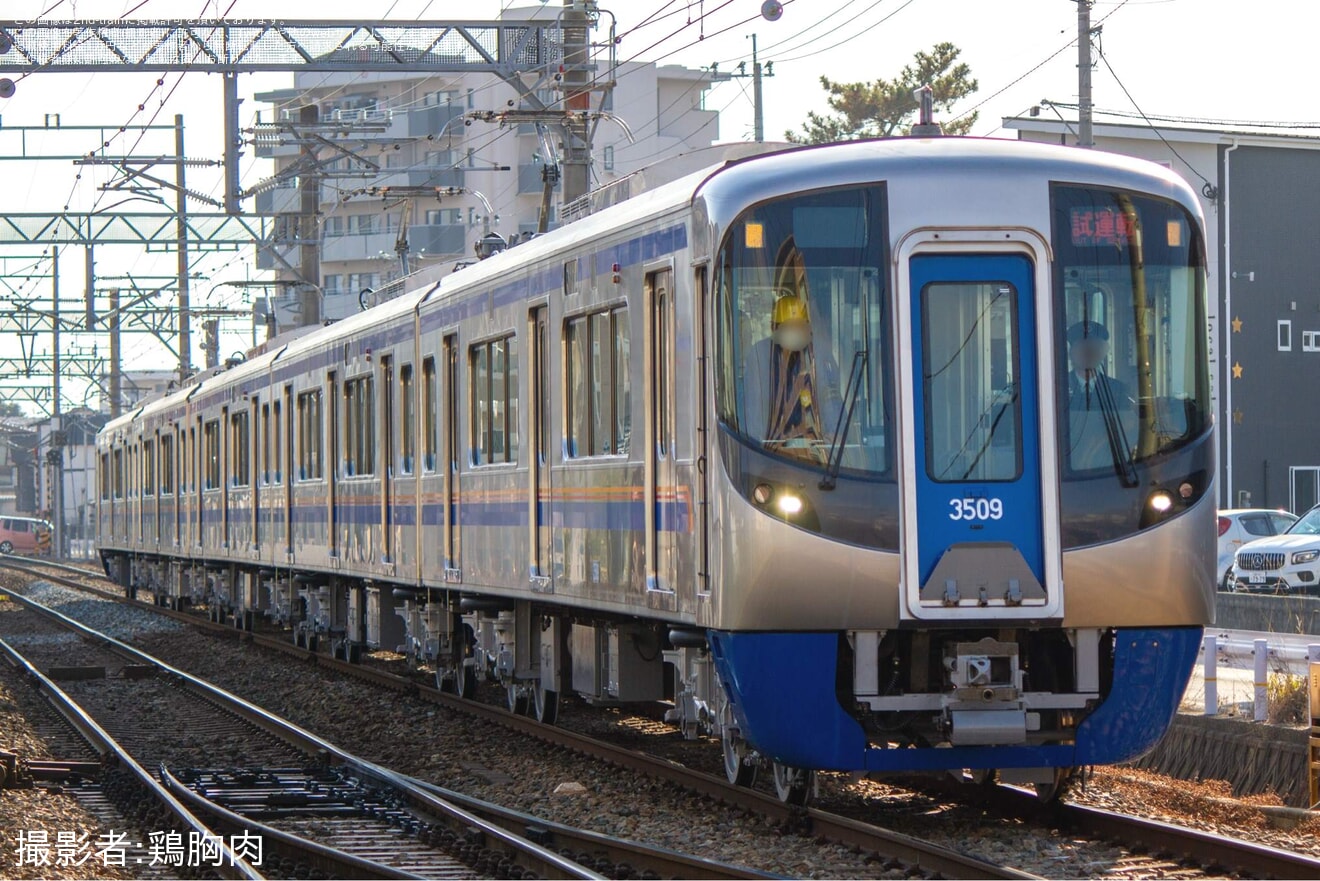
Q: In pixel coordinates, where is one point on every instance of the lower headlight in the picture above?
(1304, 557)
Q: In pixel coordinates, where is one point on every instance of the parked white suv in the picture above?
(1237, 526)
(1281, 564)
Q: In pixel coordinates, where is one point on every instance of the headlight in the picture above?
(1304, 557)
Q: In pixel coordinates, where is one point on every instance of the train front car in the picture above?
(963, 504)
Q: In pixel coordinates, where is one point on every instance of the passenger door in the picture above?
(661, 477)
(540, 503)
(980, 507)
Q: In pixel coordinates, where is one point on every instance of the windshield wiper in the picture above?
(1118, 443)
(834, 461)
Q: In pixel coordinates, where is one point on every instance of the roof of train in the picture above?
(897, 155)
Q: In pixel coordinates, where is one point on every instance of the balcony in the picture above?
(281, 200)
(357, 246)
(529, 179)
(439, 239)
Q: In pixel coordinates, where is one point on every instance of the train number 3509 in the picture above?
(976, 509)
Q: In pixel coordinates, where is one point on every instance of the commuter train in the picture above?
(880, 456)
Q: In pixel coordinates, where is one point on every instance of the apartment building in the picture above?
(413, 133)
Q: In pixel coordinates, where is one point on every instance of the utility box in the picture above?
(611, 663)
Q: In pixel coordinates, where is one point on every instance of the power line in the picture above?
(1064, 48)
(865, 30)
(1209, 190)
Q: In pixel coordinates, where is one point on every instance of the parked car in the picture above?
(1238, 526)
(1281, 564)
(24, 535)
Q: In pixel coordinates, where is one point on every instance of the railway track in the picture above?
(1167, 848)
(315, 806)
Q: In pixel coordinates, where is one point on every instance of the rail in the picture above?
(930, 857)
(492, 823)
(232, 865)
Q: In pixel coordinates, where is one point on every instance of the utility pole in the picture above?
(181, 231)
(758, 124)
(577, 100)
(758, 102)
(116, 378)
(309, 256)
(1084, 136)
(55, 454)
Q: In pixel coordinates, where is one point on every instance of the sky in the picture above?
(1203, 59)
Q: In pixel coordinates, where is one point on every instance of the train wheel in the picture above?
(1058, 787)
(516, 697)
(461, 682)
(545, 704)
(794, 785)
(737, 768)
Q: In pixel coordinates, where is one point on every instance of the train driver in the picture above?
(791, 395)
(1090, 392)
(1088, 345)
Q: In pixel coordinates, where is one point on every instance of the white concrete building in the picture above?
(412, 127)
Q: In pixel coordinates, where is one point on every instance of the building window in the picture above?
(407, 417)
(334, 226)
(362, 224)
(609, 157)
(438, 158)
(360, 281)
(359, 426)
(1285, 336)
(439, 216)
(1311, 341)
(311, 436)
(494, 401)
(599, 386)
(331, 283)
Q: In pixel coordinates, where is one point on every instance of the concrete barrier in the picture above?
(1267, 614)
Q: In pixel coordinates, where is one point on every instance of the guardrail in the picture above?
(1243, 650)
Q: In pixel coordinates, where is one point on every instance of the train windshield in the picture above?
(1130, 278)
(803, 330)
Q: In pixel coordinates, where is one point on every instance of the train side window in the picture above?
(407, 419)
(273, 462)
(211, 453)
(622, 380)
(119, 473)
(104, 475)
(494, 375)
(148, 468)
(575, 382)
(360, 426)
(429, 412)
(264, 429)
(311, 436)
(599, 386)
(166, 465)
(241, 461)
